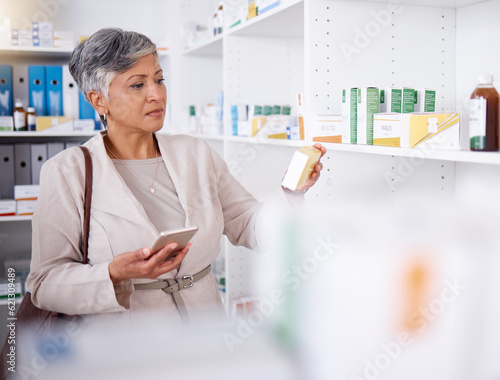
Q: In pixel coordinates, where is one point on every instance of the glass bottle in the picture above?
(19, 116)
(31, 119)
(484, 116)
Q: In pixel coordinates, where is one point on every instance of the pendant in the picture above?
(152, 190)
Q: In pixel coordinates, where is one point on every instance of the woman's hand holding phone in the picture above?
(145, 264)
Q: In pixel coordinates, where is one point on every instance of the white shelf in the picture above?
(286, 20)
(210, 137)
(211, 47)
(47, 134)
(36, 51)
(434, 3)
(15, 218)
(266, 141)
(491, 158)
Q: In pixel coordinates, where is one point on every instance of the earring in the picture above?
(104, 116)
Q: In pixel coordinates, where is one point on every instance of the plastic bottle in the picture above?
(31, 119)
(19, 116)
(484, 116)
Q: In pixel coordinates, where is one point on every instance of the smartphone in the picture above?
(181, 237)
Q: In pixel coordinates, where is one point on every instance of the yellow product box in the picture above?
(258, 123)
(25, 207)
(301, 167)
(436, 130)
(26, 192)
(54, 123)
(328, 128)
(7, 207)
(300, 115)
(276, 126)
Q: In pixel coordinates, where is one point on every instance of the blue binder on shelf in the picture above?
(53, 90)
(86, 109)
(6, 100)
(36, 87)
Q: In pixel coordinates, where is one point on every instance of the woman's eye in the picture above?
(161, 80)
(137, 86)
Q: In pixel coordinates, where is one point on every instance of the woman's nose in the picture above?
(155, 93)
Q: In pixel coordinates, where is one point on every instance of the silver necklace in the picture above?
(151, 188)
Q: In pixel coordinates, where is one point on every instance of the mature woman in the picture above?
(144, 183)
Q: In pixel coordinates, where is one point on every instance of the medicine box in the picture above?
(368, 102)
(393, 97)
(349, 115)
(432, 130)
(301, 167)
(328, 128)
(54, 123)
(25, 207)
(7, 207)
(425, 100)
(26, 192)
(6, 123)
(407, 100)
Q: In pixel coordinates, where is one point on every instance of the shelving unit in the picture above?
(319, 47)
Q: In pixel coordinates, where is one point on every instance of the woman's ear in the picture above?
(98, 101)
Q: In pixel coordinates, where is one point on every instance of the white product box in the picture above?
(349, 115)
(64, 39)
(5, 32)
(6, 123)
(7, 207)
(83, 125)
(328, 128)
(368, 102)
(393, 97)
(26, 192)
(25, 207)
(430, 130)
(425, 100)
(301, 167)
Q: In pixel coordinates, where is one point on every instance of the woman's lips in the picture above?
(156, 113)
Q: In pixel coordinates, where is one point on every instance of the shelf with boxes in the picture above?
(266, 39)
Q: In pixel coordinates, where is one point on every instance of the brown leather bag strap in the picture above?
(87, 201)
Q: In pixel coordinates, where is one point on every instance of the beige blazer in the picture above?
(212, 200)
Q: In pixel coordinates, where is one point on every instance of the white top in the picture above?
(163, 207)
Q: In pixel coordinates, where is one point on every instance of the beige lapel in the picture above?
(110, 193)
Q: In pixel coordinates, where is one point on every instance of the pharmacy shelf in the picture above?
(434, 3)
(210, 137)
(15, 218)
(490, 158)
(211, 47)
(36, 51)
(266, 141)
(47, 134)
(286, 20)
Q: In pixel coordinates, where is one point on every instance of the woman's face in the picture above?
(137, 98)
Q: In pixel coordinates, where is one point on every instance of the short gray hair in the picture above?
(108, 52)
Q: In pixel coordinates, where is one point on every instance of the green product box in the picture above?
(425, 100)
(349, 115)
(408, 100)
(368, 105)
